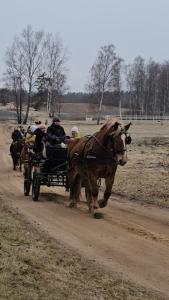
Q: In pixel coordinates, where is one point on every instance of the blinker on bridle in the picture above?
(127, 140)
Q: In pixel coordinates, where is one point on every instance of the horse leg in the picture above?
(70, 179)
(14, 166)
(91, 192)
(75, 187)
(75, 192)
(14, 162)
(88, 194)
(20, 164)
(23, 157)
(108, 183)
(25, 167)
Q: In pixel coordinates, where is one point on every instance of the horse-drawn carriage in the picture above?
(83, 163)
(40, 171)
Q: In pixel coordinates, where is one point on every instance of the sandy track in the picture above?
(131, 239)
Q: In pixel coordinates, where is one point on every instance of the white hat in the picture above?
(74, 129)
(33, 127)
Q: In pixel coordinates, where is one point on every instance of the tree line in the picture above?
(36, 74)
(35, 62)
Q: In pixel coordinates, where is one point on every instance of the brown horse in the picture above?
(15, 150)
(24, 156)
(97, 156)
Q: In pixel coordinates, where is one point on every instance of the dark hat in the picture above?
(38, 122)
(56, 120)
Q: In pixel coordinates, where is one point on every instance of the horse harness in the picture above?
(91, 157)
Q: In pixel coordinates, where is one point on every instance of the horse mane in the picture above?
(107, 127)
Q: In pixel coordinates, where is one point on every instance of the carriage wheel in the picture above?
(35, 188)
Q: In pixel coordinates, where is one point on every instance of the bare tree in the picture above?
(151, 88)
(102, 74)
(136, 78)
(26, 55)
(32, 47)
(163, 88)
(54, 66)
(139, 82)
(15, 76)
(117, 83)
(129, 84)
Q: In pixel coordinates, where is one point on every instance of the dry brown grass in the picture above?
(36, 267)
(145, 177)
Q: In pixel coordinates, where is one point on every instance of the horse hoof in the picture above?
(102, 204)
(72, 204)
(98, 215)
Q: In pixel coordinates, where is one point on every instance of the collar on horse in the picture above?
(90, 157)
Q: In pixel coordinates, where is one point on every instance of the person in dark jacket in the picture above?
(16, 135)
(40, 134)
(55, 135)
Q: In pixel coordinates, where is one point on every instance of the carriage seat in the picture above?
(56, 158)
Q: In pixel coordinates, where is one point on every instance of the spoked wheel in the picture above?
(35, 187)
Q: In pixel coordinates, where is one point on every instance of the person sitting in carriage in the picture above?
(75, 134)
(16, 134)
(55, 138)
(22, 131)
(40, 134)
(30, 137)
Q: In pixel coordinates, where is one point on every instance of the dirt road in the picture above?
(132, 240)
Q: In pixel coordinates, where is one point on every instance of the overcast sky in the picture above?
(135, 27)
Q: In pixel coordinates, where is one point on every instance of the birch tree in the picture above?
(26, 55)
(55, 70)
(151, 88)
(15, 76)
(136, 78)
(32, 47)
(102, 74)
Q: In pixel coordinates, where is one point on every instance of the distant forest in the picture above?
(146, 92)
(38, 101)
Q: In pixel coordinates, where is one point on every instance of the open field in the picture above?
(51, 252)
(68, 111)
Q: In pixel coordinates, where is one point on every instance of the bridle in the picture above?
(127, 141)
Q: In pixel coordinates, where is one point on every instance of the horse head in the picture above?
(118, 138)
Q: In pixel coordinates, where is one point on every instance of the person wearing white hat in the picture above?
(75, 132)
(33, 127)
